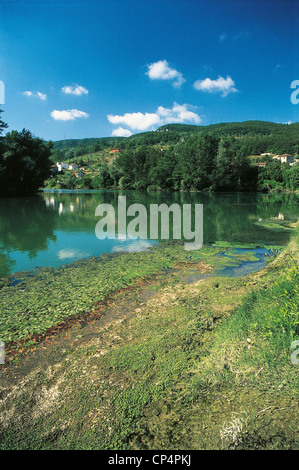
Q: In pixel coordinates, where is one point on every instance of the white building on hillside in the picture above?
(73, 166)
(62, 166)
(285, 158)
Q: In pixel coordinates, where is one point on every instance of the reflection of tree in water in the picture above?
(226, 216)
(75, 212)
(26, 224)
(6, 265)
(274, 203)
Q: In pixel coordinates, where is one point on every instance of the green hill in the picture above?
(257, 136)
(184, 157)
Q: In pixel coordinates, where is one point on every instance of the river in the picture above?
(56, 228)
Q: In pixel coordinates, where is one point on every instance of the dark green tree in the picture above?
(197, 161)
(104, 178)
(162, 169)
(223, 174)
(3, 124)
(24, 165)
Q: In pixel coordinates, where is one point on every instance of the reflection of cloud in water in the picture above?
(68, 254)
(136, 245)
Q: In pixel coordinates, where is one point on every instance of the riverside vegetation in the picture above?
(178, 157)
(152, 350)
(173, 158)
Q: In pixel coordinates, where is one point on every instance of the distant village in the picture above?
(284, 158)
(79, 172)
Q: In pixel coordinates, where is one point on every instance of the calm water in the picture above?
(57, 228)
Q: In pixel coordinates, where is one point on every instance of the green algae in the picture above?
(33, 302)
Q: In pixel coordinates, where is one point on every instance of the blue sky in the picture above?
(77, 69)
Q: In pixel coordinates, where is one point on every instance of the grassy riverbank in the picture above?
(32, 302)
(158, 354)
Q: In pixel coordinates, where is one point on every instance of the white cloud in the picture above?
(38, 94)
(68, 115)
(136, 121)
(162, 71)
(142, 121)
(221, 85)
(74, 90)
(121, 132)
(42, 96)
(178, 113)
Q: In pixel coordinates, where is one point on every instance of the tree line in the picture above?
(198, 163)
(255, 137)
(174, 158)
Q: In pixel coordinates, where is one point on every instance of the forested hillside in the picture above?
(177, 157)
(256, 137)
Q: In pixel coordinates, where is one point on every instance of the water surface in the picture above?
(58, 227)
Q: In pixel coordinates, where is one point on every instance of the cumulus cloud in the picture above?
(136, 121)
(121, 132)
(162, 71)
(68, 115)
(221, 85)
(74, 90)
(143, 121)
(38, 94)
(179, 113)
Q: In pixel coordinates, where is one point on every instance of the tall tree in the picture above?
(197, 161)
(25, 163)
(3, 124)
(223, 179)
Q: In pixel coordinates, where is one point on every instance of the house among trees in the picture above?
(114, 151)
(73, 166)
(261, 164)
(65, 166)
(285, 158)
(62, 166)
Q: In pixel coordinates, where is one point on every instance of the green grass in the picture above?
(259, 333)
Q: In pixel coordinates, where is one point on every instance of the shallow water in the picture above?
(245, 267)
